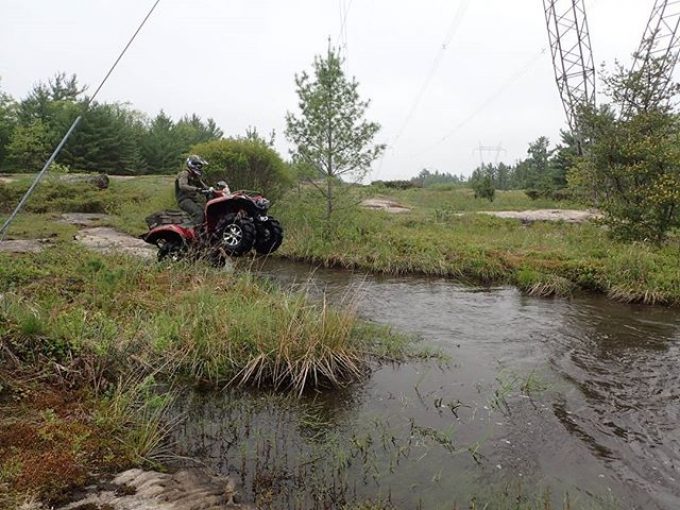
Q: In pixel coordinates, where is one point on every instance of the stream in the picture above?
(574, 402)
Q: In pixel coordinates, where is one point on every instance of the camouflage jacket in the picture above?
(187, 186)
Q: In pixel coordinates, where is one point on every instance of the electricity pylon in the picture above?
(660, 42)
(482, 149)
(572, 55)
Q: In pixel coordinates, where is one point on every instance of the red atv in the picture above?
(234, 224)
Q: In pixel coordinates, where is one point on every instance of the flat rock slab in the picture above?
(108, 240)
(384, 205)
(23, 245)
(82, 219)
(566, 215)
(137, 489)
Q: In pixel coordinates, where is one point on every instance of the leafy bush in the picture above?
(245, 164)
(533, 194)
(631, 170)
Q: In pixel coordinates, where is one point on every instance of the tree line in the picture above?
(542, 173)
(112, 137)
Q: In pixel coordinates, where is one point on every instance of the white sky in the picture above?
(235, 61)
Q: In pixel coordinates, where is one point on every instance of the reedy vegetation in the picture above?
(435, 238)
(190, 321)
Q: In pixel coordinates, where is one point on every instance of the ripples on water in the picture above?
(552, 397)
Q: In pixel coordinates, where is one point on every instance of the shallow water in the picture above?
(549, 398)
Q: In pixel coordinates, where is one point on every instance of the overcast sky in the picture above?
(234, 60)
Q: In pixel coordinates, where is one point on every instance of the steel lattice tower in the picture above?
(661, 40)
(572, 55)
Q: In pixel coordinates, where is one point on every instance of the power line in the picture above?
(344, 13)
(451, 32)
(74, 125)
(514, 77)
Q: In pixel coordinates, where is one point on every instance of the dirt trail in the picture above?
(566, 215)
(382, 204)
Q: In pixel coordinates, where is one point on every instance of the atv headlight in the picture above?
(262, 203)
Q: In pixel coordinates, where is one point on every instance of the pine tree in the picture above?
(107, 140)
(331, 135)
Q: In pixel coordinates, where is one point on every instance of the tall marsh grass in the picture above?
(186, 321)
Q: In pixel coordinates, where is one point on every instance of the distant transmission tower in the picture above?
(660, 41)
(483, 149)
(572, 55)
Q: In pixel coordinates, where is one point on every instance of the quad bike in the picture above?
(235, 223)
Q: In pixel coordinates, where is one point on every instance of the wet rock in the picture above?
(384, 205)
(23, 245)
(185, 490)
(108, 240)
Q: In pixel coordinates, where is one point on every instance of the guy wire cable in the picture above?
(75, 123)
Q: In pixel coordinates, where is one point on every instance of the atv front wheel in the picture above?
(235, 236)
(269, 236)
(170, 251)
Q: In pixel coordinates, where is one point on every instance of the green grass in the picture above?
(189, 320)
(441, 237)
(127, 202)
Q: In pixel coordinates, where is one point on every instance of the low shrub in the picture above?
(397, 184)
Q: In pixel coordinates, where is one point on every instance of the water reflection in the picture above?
(575, 396)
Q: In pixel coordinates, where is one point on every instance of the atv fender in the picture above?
(170, 233)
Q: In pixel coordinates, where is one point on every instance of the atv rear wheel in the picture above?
(235, 236)
(269, 236)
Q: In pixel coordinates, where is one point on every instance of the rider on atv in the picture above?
(189, 189)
